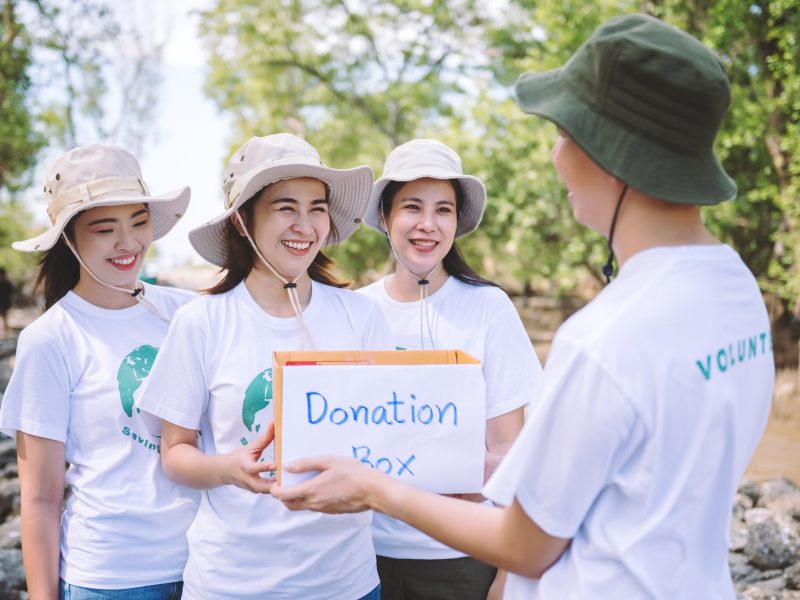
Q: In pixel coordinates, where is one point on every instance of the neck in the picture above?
(99, 295)
(645, 222)
(403, 286)
(269, 293)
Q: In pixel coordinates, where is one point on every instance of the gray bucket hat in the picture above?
(265, 160)
(101, 175)
(429, 158)
(644, 101)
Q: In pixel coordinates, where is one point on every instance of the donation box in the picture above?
(418, 415)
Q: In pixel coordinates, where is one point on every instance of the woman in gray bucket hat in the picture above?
(433, 299)
(78, 369)
(655, 394)
(214, 376)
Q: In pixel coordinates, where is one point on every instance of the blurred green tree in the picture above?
(357, 78)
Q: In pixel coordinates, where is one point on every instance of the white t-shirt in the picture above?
(77, 372)
(653, 399)
(482, 321)
(214, 374)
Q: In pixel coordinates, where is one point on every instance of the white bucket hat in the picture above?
(265, 160)
(101, 175)
(429, 158)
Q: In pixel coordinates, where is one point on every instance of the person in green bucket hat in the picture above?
(655, 394)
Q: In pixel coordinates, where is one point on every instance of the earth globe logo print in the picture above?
(133, 370)
(257, 397)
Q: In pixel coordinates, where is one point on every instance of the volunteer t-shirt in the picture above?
(214, 374)
(482, 321)
(653, 400)
(78, 371)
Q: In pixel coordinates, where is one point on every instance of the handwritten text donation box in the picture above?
(417, 415)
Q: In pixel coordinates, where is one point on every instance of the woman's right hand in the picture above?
(244, 465)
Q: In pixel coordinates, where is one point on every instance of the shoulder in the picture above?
(353, 301)
(171, 298)
(488, 299)
(374, 290)
(52, 330)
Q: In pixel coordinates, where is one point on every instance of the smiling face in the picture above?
(112, 242)
(422, 223)
(592, 192)
(290, 224)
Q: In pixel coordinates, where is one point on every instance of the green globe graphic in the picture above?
(257, 397)
(133, 370)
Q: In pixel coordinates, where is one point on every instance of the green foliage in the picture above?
(357, 78)
(19, 142)
(14, 220)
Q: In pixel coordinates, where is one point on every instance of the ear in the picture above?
(236, 223)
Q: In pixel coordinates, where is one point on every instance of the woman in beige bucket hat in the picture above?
(214, 376)
(433, 299)
(655, 394)
(71, 396)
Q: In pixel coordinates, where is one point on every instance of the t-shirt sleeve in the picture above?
(176, 390)
(511, 368)
(581, 431)
(37, 398)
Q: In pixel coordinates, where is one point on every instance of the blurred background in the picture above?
(183, 83)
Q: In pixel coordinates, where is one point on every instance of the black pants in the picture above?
(445, 579)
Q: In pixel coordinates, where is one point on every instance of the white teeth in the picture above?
(423, 244)
(123, 261)
(297, 245)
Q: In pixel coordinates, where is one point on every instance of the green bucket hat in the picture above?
(644, 101)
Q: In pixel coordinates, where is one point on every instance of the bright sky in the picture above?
(191, 141)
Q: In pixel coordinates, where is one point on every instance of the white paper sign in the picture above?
(423, 424)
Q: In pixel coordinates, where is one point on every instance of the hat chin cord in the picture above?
(608, 268)
(137, 292)
(424, 316)
(289, 286)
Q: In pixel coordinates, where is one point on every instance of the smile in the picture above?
(423, 244)
(296, 245)
(123, 261)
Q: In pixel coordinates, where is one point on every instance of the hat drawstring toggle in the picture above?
(289, 286)
(137, 293)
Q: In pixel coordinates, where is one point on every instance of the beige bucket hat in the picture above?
(265, 160)
(429, 158)
(101, 175)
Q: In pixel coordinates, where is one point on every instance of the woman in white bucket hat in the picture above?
(71, 396)
(214, 376)
(422, 203)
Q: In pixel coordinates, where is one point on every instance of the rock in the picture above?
(750, 489)
(9, 498)
(792, 575)
(781, 495)
(757, 515)
(771, 543)
(739, 566)
(12, 575)
(755, 592)
(10, 533)
(8, 450)
(741, 503)
(738, 536)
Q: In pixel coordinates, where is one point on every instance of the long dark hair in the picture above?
(58, 270)
(240, 257)
(454, 263)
